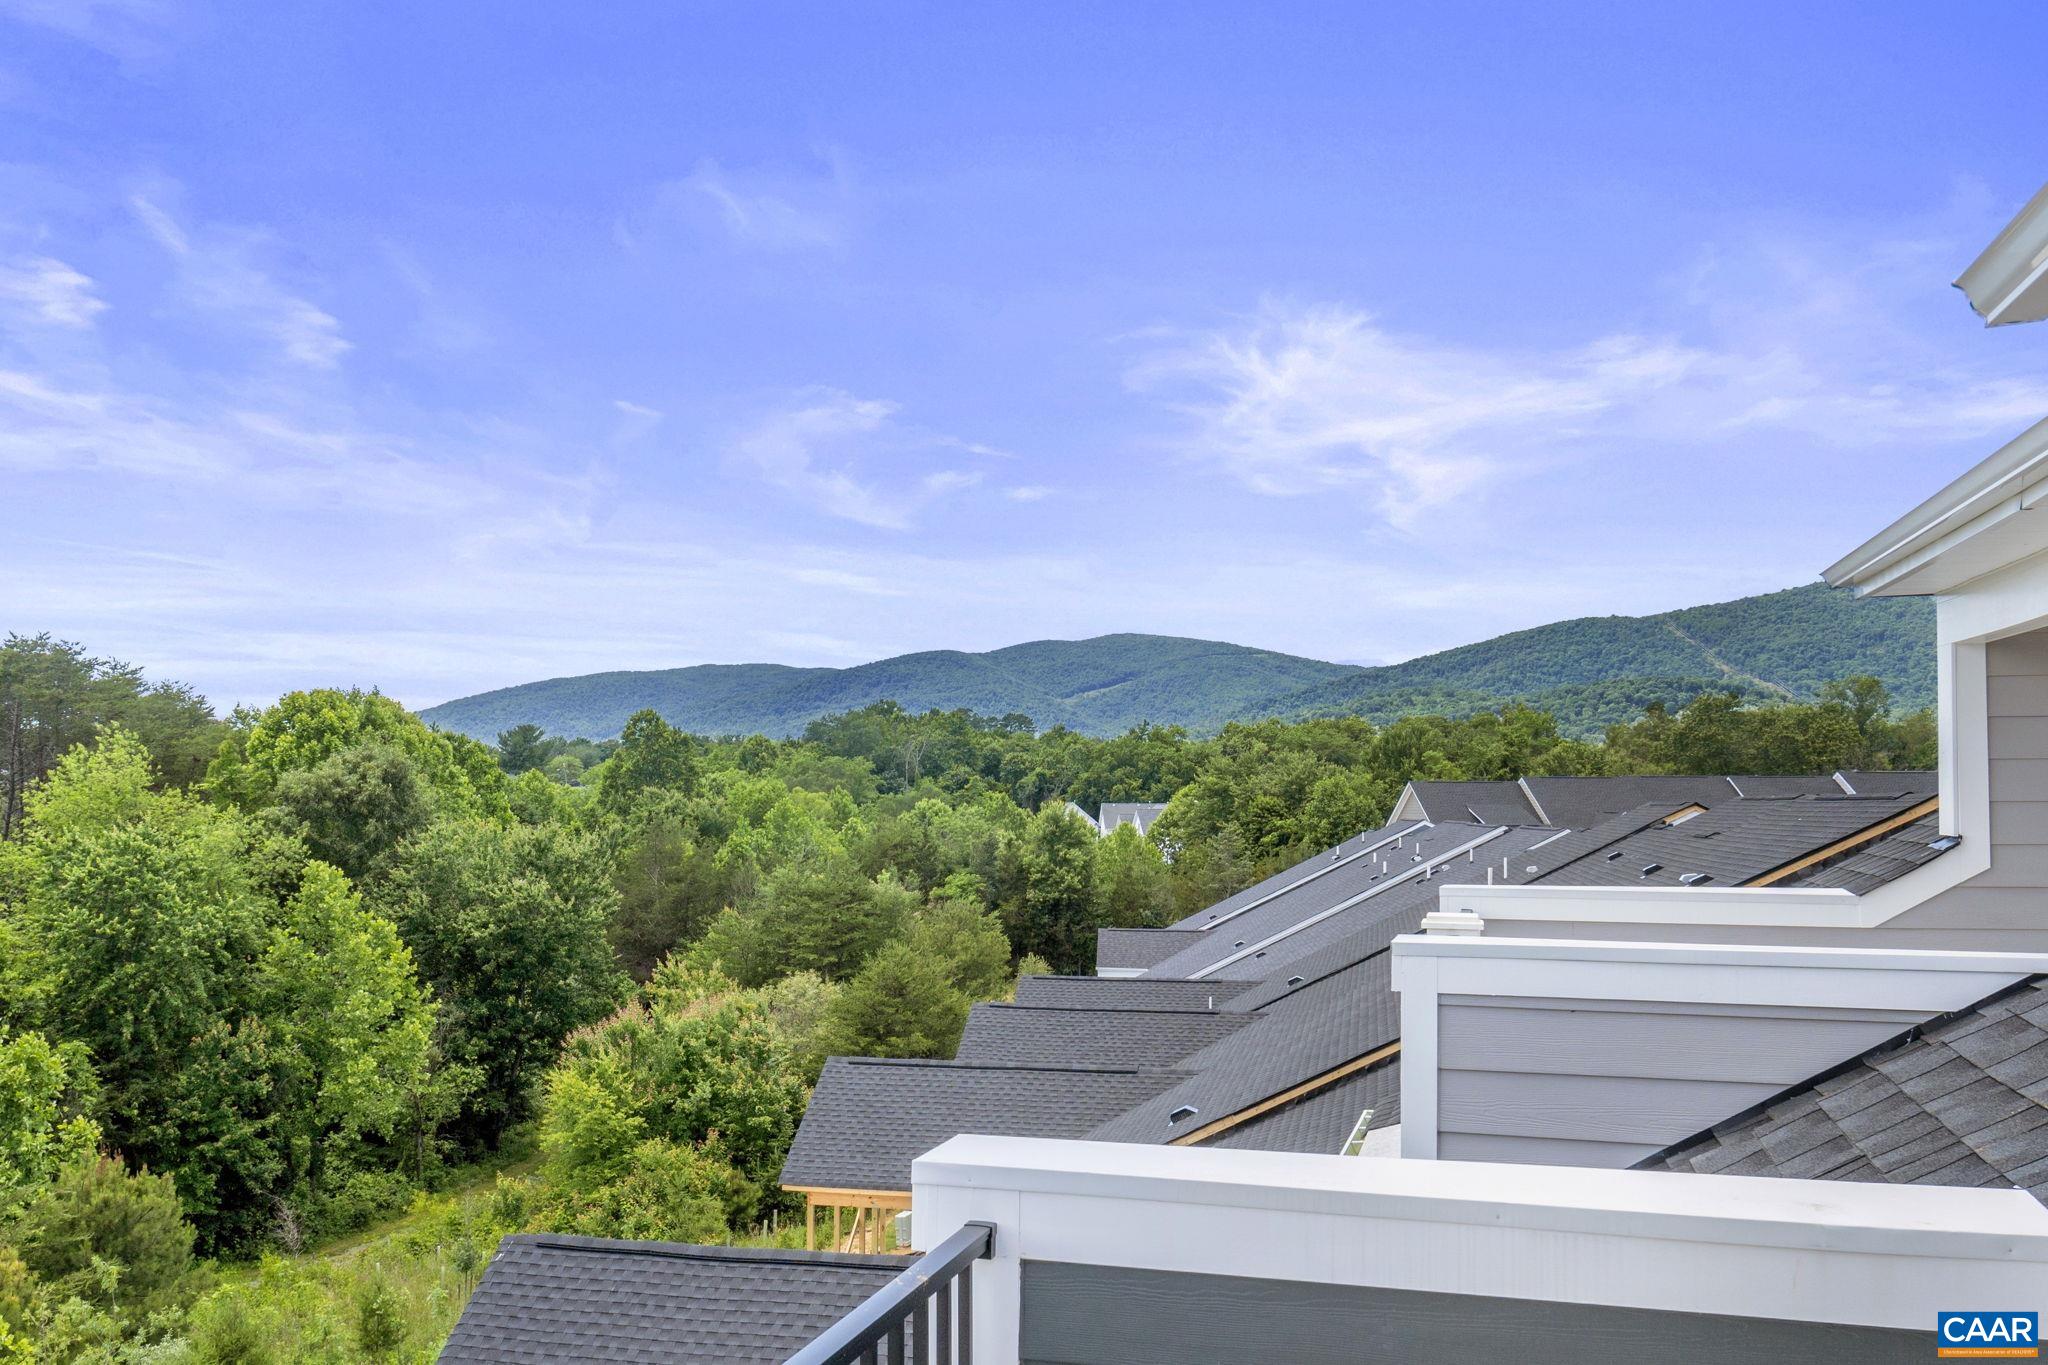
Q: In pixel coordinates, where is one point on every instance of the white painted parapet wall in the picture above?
(1805, 1251)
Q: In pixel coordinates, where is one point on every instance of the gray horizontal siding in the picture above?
(1536, 1151)
(1114, 1315)
(1690, 1046)
(1605, 1083)
(1607, 1109)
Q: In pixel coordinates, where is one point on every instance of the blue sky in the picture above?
(442, 347)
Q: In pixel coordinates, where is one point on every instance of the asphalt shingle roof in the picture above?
(1139, 813)
(1128, 992)
(1377, 872)
(1321, 1123)
(553, 1298)
(1448, 800)
(870, 1117)
(1040, 1035)
(1961, 1101)
(1311, 1029)
(1883, 859)
(1286, 878)
(1576, 802)
(1141, 947)
(1732, 843)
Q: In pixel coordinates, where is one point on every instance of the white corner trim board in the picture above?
(1815, 1251)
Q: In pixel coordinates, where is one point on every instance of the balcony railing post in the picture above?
(896, 1314)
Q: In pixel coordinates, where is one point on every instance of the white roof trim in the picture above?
(2009, 282)
(2008, 482)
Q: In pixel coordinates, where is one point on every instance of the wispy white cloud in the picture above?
(1767, 337)
(1029, 492)
(839, 453)
(127, 29)
(47, 291)
(218, 275)
(760, 208)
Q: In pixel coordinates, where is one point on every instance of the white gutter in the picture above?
(2009, 282)
(2005, 477)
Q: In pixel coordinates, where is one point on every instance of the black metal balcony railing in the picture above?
(925, 1316)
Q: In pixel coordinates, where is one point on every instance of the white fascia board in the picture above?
(2009, 282)
(1428, 865)
(1816, 1251)
(1903, 559)
(1120, 973)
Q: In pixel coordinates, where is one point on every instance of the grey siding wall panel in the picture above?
(1688, 1046)
(2019, 736)
(2019, 822)
(1605, 1083)
(1103, 1315)
(1535, 1151)
(1606, 1109)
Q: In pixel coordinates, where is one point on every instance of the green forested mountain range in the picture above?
(1588, 671)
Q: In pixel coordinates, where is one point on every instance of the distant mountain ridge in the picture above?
(1591, 670)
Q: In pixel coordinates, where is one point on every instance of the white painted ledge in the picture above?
(1814, 1251)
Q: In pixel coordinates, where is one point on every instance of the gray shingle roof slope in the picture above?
(1577, 802)
(549, 1298)
(1317, 865)
(1139, 813)
(1571, 845)
(1127, 992)
(1140, 947)
(1865, 782)
(1451, 800)
(870, 1117)
(1311, 1029)
(1376, 872)
(1887, 857)
(1040, 1035)
(1321, 1123)
(1732, 843)
(1962, 1101)
(1401, 906)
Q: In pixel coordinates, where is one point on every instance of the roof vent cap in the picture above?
(1296, 980)
(1182, 1113)
(1694, 878)
(1648, 868)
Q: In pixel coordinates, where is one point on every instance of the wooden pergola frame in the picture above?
(867, 1214)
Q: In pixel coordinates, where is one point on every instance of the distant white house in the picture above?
(1118, 813)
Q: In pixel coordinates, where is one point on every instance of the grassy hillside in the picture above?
(1589, 671)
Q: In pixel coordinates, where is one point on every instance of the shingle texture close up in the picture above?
(870, 1118)
(1963, 1101)
(1883, 859)
(574, 1299)
(1321, 1123)
(1039, 1035)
